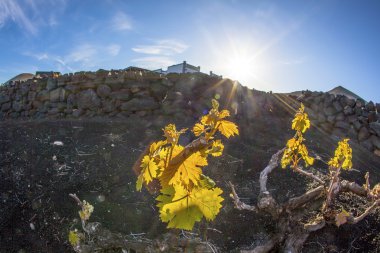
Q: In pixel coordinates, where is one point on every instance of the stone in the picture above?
(108, 106)
(348, 110)
(51, 84)
(141, 104)
(321, 117)
(71, 101)
(58, 95)
(326, 127)
(32, 95)
(375, 141)
(337, 106)
(367, 144)
(343, 125)
(359, 103)
(88, 85)
(24, 89)
(88, 99)
(43, 96)
(372, 116)
(73, 88)
(331, 119)
(4, 98)
(375, 126)
(6, 106)
(378, 107)
(340, 117)
(77, 112)
(16, 106)
(103, 91)
(370, 106)
(338, 132)
(158, 90)
(350, 102)
(123, 95)
(377, 152)
(363, 134)
(329, 111)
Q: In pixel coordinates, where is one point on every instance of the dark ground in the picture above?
(96, 160)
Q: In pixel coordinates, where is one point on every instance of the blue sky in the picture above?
(267, 45)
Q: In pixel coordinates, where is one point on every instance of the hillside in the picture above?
(105, 121)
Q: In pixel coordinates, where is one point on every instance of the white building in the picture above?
(183, 67)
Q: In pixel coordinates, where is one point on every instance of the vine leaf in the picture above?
(181, 208)
(341, 218)
(343, 156)
(228, 128)
(198, 129)
(301, 120)
(186, 172)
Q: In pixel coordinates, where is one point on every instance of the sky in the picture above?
(278, 46)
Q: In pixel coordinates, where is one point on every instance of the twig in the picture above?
(309, 174)
(75, 197)
(238, 203)
(273, 163)
(365, 213)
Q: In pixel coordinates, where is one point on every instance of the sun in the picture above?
(240, 68)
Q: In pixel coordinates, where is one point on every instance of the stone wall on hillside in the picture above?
(344, 117)
(126, 94)
(123, 94)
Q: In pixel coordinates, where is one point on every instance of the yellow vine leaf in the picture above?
(295, 150)
(341, 217)
(74, 238)
(188, 171)
(216, 148)
(181, 208)
(198, 129)
(223, 114)
(301, 120)
(86, 211)
(228, 128)
(342, 156)
(171, 133)
(149, 171)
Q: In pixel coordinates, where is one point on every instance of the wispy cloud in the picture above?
(38, 56)
(113, 49)
(154, 62)
(121, 22)
(162, 47)
(11, 10)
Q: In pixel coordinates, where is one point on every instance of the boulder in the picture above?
(363, 134)
(340, 117)
(108, 106)
(372, 116)
(43, 96)
(4, 98)
(16, 106)
(378, 107)
(330, 110)
(337, 106)
(77, 112)
(370, 106)
(375, 126)
(377, 152)
(6, 106)
(123, 95)
(32, 95)
(58, 95)
(348, 110)
(141, 104)
(343, 125)
(73, 88)
(51, 84)
(71, 101)
(367, 144)
(103, 91)
(375, 141)
(359, 103)
(88, 99)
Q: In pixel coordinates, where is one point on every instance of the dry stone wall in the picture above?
(126, 94)
(344, 117)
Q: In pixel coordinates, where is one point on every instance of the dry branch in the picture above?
(309, 174)
(273, 163)
(238, 203)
